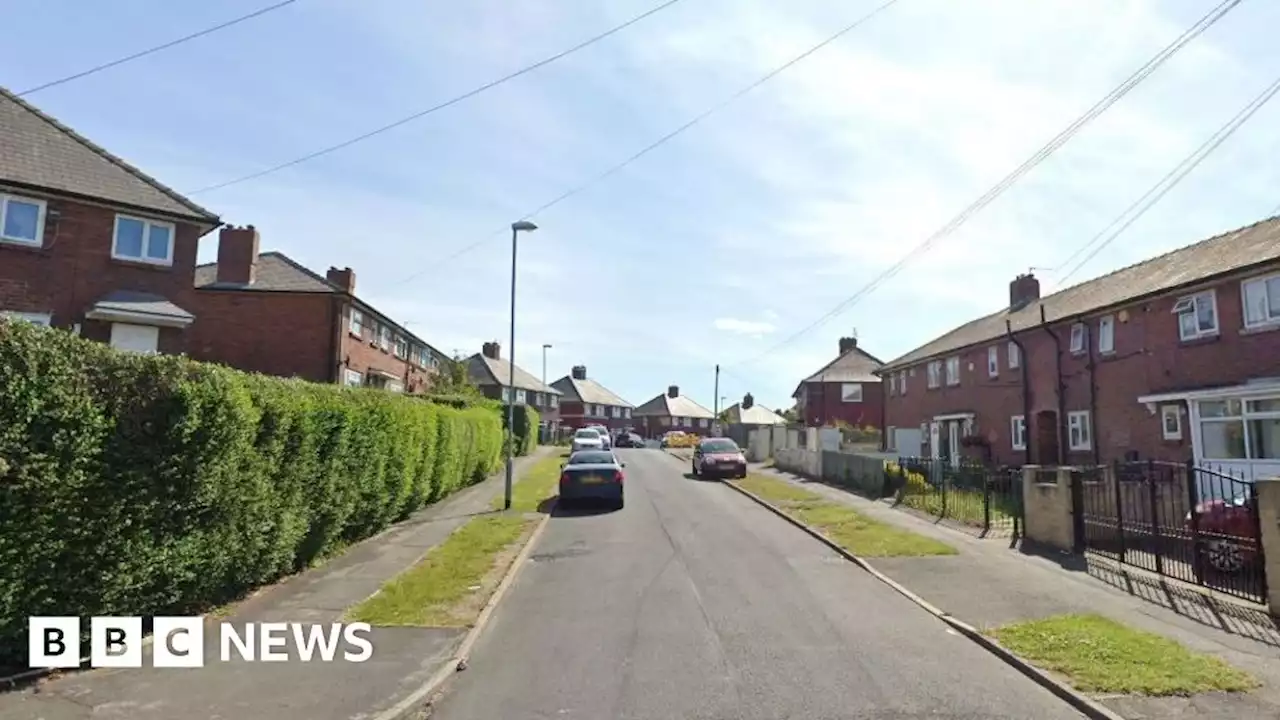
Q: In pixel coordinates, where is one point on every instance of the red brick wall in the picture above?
(545, 411)
(74, 268)
(571, 417)
(283, 334)
(823, 405)
(651, 426)
(1149, 358)
(362, 354)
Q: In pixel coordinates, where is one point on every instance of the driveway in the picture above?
(693, 602)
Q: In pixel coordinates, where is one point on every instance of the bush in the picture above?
(151, 485)
(526, 431)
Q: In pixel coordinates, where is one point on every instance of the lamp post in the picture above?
(516, 228)
(545, 348)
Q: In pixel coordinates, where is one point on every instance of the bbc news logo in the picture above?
(179, 642)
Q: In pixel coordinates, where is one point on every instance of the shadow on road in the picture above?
(580, 508)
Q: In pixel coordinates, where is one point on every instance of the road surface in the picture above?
(693, 603)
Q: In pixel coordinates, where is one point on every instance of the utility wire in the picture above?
(1139, 208)
(447, 103)
(156, 49)
(987, 198)
(662, 140)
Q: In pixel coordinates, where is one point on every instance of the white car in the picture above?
(587, 439)
(606, 442)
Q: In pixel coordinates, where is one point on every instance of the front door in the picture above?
(953, 442)
(935, 442)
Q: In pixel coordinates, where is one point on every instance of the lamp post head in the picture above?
(523, 225)
(546, 346)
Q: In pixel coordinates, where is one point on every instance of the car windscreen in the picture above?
(719, 446)
(591, 458)
(587, 434)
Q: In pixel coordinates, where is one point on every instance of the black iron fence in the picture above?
(1194, 523)
(983, 498)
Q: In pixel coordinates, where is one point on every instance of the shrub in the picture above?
(150, 485)
(526, 430)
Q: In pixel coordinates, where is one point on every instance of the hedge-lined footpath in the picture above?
(152, 485)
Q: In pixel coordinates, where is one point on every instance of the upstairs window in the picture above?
(1077, 338)
(902, 383)
(402, 348)
(935, 374)
(1261, 301)
(142, 240)
(851, 392)
(22, 220)
(1197, 315)
(1107, 334)
(356, 327)
(953, 371)
(521, 397)
(1015, 355)
(993, 361)
(384, 337)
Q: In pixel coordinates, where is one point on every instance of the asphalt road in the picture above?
(693, 603)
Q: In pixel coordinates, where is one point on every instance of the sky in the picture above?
(718, 245)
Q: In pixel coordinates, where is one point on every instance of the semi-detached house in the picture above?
(492, 374)
(584, 401)
(1175, 358)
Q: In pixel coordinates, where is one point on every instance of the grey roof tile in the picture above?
(143, 303)
(40, 152)
(857, 365)
(487, 371)
(276, 272)
(754, 415)
(667, 406)
(588, 391)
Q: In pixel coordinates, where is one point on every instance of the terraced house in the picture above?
(584, 401)
(488, 370)
(1175, 358)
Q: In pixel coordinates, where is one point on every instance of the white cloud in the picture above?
(750, 328)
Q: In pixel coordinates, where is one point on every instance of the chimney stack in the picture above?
(673, 391)
(344, 278)
(237, 255)
(579, 372)
(1024, 290)
(847, 344)
(748, 402)
(491, 350)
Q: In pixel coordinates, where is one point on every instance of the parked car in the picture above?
(586, 439)
(628, 440)
(605, 439)
(1228, 533)
(592, 475)
(719, 457)
(670, 439)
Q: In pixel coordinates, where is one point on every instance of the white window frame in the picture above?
(1244, 414)
(41, 319)
(1018, 432)
(1077, 338)
(554, 401)
(1015, 355)
(352, 378)
(1171, 412)
(505, 395)
(150, 331)
(851, 392)
(1190, 305)
(1079, 430)
(395, 386)
(355, 325)
(1270, 311)
(147, 225)
(537, 399)
(902, 382)
(1106, 334)
(935, 374)
(702, 422)
(953, 370)
(626, 413)
(384, 337)
(521, 397)
(42, 211)
(402, 347)
(993, 361)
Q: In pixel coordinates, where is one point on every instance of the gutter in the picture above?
(1024, 372)
(1058, 385)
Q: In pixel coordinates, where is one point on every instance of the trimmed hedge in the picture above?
(152, 485)
(526, 431)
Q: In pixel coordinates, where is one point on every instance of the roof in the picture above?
(754, 415)
(277, 272)
(588, 391)
(667, 406)
(142, 303)
(857, 365)
(484, 370)
(1238, 249)
(37, 151)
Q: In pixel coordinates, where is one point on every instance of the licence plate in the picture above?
(591, 479)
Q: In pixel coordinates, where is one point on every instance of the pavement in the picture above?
(991, 584)
(404, 658)
(695, 603)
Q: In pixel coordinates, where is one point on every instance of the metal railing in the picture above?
(986, 499)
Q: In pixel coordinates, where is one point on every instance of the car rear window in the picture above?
(591, 458)
(719, 446)
(587, 433)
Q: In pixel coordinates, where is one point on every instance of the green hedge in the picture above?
(150, 485)
(526, 432)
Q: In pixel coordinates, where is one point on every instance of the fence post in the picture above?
(986, 501)
(1193, 504)
(1156, 539)
(1119, 501)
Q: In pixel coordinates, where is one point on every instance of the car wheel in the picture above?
(621, 503)
(694, 469)
(1225, 556)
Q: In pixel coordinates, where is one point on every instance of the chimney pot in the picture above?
(1024, 290)
(237, 255)
(344, 279)
(579, 372)
(847, 344)
(748, 401)
(673, 391)
(491, 350)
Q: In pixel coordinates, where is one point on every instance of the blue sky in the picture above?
(720, 243)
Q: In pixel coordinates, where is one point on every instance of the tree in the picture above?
(453, 379)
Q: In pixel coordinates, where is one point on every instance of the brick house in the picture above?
(90, 243)
(1175, 358)
(672, 411)
(847, 389)
(489, 371)
(584, 401)
(264, 312)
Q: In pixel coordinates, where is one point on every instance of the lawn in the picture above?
(1101, 656)
(449, 586)
(964, 506)
(534, 485)
(842, 524)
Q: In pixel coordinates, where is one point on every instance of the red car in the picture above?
(1228, 538)
(719, 456)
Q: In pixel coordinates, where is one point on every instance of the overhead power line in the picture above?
(156, 49)
(1139, 208)
(1042, 154)
(435, 108)
(660, 141)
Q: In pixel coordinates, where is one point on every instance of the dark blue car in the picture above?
(592, 475)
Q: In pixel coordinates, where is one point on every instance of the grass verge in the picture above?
(450, 585)
(536, 485)
(842, 524)
(1099, 655)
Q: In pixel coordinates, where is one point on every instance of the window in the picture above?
(1234, 430)
(935, 374)
(1261, 301)
(953, 371)
(135, 338)
(893, 384)
(357, 323)
(902, 383)
(352, 378)
(1018, 432)
(1197, 316)
(395, 387)
(617, 412)
(22, 220)
(851, 392)
(384, 337)
(1171, 422)
(1015, 355)
(402, 348)
(1079, 434)
(521, 397)
(148, 241)
(993, 361)
(42, 319)
(1077, 338)
(1107, 334)
(626, 413)
(891, 439)
(702, 422)
(555, 401)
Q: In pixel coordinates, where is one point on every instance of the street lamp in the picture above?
(516, 228)
(545, 348)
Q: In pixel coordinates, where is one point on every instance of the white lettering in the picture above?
(307, 643)
(349, 633)
(273, 637)
(243, 645)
